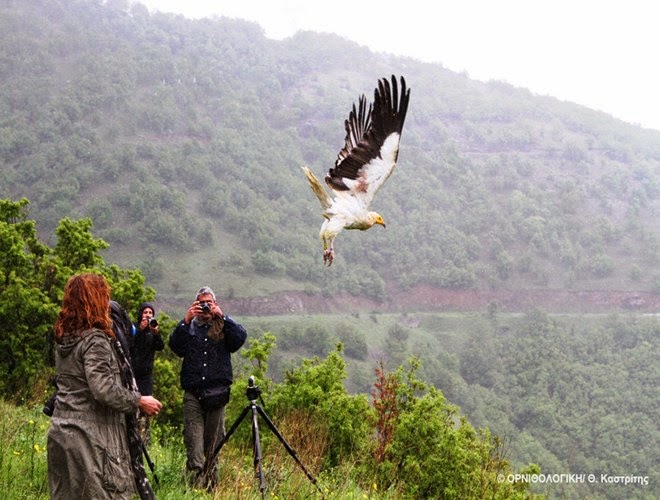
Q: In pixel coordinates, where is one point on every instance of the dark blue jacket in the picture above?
(206, 363)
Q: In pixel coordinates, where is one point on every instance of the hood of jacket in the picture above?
(141, 309)
(71, 340)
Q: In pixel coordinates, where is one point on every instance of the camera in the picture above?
(252, 392)
(205, 307)
(153, 322)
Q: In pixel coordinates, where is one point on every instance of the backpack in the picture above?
(123, 328)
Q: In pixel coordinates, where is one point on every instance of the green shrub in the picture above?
(317, 387)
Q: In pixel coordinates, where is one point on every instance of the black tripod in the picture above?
(253, 392)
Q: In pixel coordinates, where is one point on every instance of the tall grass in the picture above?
(24, 470)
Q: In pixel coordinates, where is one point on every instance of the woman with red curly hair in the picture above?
(88, 454)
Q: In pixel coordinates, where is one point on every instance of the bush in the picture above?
(601, 266)
(317, 387)
(424, 448)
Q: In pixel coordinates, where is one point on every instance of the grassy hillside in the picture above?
(183, 141)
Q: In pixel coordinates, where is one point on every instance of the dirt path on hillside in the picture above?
(439, 299)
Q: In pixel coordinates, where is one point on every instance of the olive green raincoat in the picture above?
(87, 444)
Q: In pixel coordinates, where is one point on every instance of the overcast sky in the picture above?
(603, 54)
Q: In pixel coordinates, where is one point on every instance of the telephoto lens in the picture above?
(153, 322)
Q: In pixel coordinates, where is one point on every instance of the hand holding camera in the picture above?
(202, 307)
(150, 323)
(208, 308)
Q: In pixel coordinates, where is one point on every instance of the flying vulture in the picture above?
(363, 165)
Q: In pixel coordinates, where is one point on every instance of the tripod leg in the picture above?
(210, 458)
(149, 463)
(288, 448)
(256, 443)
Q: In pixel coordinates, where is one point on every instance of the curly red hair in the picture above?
(85, 305)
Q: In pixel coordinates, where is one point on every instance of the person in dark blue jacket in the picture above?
(205, 339)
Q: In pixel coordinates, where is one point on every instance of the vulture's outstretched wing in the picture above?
(372, 142)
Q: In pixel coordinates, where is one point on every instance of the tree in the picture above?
(33, 278)
(425, 449)
(76, 247)
(355, 343)
(396, 344)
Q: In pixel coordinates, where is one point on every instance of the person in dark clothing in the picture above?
(205, 339)
(145, 342)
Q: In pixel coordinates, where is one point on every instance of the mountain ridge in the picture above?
(183, 141)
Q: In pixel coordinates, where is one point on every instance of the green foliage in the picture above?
(558, 383)
(601, 266)
(128, 287)
(445, 461)
(75, 245)
(354, 342)
(268, 263)
(396, 345)
(426, 450)
(23, 466)
(507, 188)
(314, 339)
(316, 388)
(559, 389)
(25, 345)
(31, 291)
(258, 353)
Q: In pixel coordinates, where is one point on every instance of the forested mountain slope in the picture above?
(183, 141)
